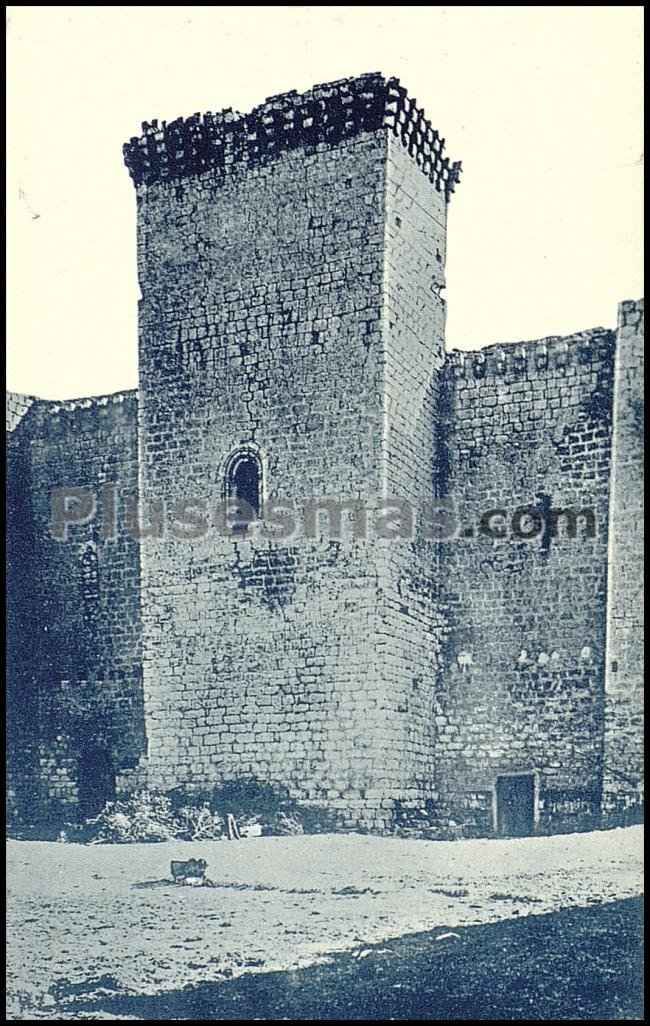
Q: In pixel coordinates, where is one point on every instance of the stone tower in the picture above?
(315, 593)
(291, 263)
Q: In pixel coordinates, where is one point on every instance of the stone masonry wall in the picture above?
(291, 265)
(260, 328)
(21, 588)
(264, 254)
(414, 325)
(85, 633)
(623, 770)
(521, 680)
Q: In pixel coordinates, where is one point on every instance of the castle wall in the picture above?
(413, 326)
(521, 683)
(84, 634)
(260, 327)
(291, 264)
(21, 588)
(282, 312)
(623, 747)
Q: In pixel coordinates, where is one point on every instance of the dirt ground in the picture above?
(102, 918)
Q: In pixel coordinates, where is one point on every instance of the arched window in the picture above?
(244, 489)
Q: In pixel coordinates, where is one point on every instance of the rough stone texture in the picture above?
(21, 588)
(76, 656)
(623, 754)
(291, 265)
(268, 338)
(527, 426)
(413, 331)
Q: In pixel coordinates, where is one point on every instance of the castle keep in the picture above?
(291, 265)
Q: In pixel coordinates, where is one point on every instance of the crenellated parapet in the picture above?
(325, 114)
(530, 359)
(98, 415)
(16, 406)
(93, 402)
(410, 124)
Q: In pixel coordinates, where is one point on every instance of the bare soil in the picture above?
(328, 926)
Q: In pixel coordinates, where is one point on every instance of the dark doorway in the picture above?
(96, 780)
(515, 805)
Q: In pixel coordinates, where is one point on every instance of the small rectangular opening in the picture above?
(515, 805)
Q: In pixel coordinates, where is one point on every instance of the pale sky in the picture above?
(542, 104)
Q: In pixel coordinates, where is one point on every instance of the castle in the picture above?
(483, 663)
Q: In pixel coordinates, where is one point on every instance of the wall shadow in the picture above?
(581, 963)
